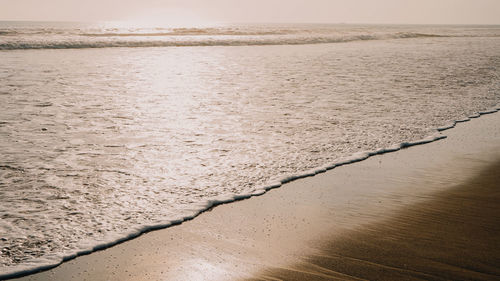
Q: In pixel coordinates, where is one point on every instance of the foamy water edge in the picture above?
(53, 260)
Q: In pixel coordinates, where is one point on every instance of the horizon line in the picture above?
(250, 22)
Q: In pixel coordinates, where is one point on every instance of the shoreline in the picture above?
(283, 250)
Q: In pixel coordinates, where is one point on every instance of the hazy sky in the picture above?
(200, 11)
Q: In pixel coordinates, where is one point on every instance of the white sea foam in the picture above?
(101, 145)
(168, 41)
(475, 115)
(18, 36)
(54, 260)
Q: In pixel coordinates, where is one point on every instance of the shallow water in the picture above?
(99, 143)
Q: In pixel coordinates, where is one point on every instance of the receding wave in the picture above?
(213, 40)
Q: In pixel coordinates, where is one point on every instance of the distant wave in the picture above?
(193, 32)
(214, 40)
(140, 32)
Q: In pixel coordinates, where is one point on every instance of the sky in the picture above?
(258, 11)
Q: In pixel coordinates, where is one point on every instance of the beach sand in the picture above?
(454, 236)
(427, 212)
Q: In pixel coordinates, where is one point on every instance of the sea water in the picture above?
(107, 131)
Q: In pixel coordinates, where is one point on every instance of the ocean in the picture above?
(109, 130)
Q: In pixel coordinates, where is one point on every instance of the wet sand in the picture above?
(428, 212)
(454, 236)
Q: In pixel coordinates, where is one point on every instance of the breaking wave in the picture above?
(193, 37)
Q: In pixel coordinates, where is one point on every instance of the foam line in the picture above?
(446, 127)
(320, 170)
(165, 40)
(49, 263)
(488, 111)
(475, 115)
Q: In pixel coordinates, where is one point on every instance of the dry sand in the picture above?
(428, 212)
